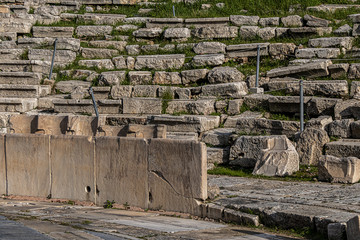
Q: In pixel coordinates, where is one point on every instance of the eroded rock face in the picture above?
(339, 170)
(225, 75)
(309, 145)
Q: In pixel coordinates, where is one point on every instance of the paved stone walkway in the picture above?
(290, 204)
(44, 220)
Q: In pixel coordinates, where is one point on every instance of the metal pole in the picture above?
(301, 106)
(257, 67)
(174, 10)
(94, 102)
(53, 59)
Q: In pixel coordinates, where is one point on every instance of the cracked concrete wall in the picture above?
(157, 174)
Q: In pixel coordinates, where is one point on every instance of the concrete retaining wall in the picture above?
(156, 174)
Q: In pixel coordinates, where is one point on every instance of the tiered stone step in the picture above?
(17, 104)
(24, 91)
(20, 78)
(343, 148)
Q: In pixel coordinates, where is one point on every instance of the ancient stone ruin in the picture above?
(175, 97)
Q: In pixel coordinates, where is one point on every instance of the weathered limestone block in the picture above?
(278, 158)
(282, 32)
(98, 53)
(247, 50)
(198, 107)
(126, 27)
(285, 104)
(172, 78)
(121, 91)
(111, 78)
(62, 56)
(233, 90)
(248, 32)
(93, 31)
(201, 22)
(102, 19)
(133, 49)
(270, 21)
(140, 77)
(312, 21)
(215, 32)
(208, 60)
(317, 53)
(225, 75)
(310, 70)
(340, 128)
(347, 109)
(177, 33)
(118, 45)
(164, 22)
(292, 21)
(171, 194)
(344, 30)
(266, 33)
(217, 156)
(338, 70)
(209, 48)
(193, 76)
(356, 30)
(345, 42)
(82, 126)
(148, 33)
(319, 123)
(70, 86)
(53, 32)
(234, 106)
(336, 231)
(355, 129)
(120, 62)
(17, 25)
(218, 137)
(142, 106)
(353, 228)
(99, 63)
(280, 50)
(354, 71)
(339, 170)
(145, 91)
(309, 145)
(160, 62)
(240, 20)
(146, 131)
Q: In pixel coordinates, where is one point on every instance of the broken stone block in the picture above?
(215, 32)
(217, 156)
(319, 123)
(248, 32)
(98, 63)
(338, 70)
(347, 109)
(281, 50)
(266, 33)
(218, 137)
(121, 91)
(62, 56)
(145, 91)
(339, 170)
(63, 32)
(270, 21)
(240, 20)
(278, 158)
(69, 86)
(344, 30)
(336, 231)
(310, 70)
(354, 71)
(160, 62)
(247, 50)
(120, 62)
(235, 106)
(172, 78)
(355, 89)
(148, 33)
(193, 76)
(208, 60)
(111, 78)
(93, 31)
(292, 21)
(317, 53)
(340, 128)
(146, 131)
(98, 53)
(199, 107)
(353, 228)
(209, 48)
(200, 22)
(225, 75)
(345, 42)
(118, 45)
(177, 33)
(142, 106)
(140, 77)
(234, 90)
(133, 49)
(309, 145)
(312, 21)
